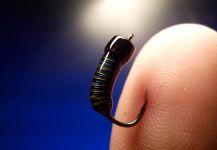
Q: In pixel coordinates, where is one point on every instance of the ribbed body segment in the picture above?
(117, 53)
(102, 84)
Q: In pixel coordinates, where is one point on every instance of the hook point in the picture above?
(130, 37)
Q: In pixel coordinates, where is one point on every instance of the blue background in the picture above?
(45, 74)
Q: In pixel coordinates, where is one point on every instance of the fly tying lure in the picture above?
(117, 53)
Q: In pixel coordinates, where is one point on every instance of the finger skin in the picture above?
(176, 72)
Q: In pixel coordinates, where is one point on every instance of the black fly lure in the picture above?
(117, 53)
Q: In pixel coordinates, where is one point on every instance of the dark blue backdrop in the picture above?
(45, 75)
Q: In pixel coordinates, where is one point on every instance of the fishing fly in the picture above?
(117, 53)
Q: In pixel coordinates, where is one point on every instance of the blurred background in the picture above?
(49, 51)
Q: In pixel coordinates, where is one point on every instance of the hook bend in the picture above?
(132, 123)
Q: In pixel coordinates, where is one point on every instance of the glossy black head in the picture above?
(120, 48)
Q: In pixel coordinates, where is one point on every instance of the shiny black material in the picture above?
(117, 53)
(121, 49)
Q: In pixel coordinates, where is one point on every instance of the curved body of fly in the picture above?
(117, 53)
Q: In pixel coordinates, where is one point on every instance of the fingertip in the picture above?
(178, 69)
